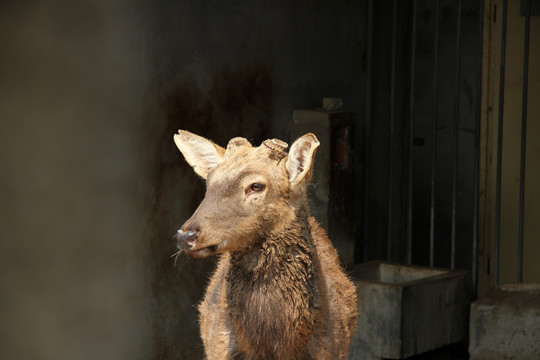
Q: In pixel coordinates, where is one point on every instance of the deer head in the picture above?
(250, 191)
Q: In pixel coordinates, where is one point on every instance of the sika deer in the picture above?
(279, 291)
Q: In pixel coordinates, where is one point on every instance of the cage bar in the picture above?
(367, 127)
(497, 240)
(523, 140)
(411, 131)
(478, 117)
(434, 133)
(456, 136)
(392, 125)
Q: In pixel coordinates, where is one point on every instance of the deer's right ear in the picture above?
(202, 154)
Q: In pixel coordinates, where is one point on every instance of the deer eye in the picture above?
(257, 187)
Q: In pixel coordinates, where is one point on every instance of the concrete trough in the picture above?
(406, 310)
(505, 324)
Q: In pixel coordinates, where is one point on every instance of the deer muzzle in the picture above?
(186, 240)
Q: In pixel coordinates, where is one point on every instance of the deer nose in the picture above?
(187, 237)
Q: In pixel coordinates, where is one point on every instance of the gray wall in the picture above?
(73, 277)
(92, 186)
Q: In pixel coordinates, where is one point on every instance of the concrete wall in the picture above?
(73, 280)
(92, 186)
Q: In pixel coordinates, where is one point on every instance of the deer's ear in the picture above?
(300, 159)
(202, 154)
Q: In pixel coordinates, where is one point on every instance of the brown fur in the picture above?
(279, 291)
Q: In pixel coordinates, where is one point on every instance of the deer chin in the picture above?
(202, 252)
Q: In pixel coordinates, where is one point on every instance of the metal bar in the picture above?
(367, 128)
(392, 121)
(434, 134)
(523, 140)
(478, 119)
(497, 240)
(411, 131)
(456, 137)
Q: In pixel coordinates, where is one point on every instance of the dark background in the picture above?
(93, 187)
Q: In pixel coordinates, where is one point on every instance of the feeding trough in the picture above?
(404, 310)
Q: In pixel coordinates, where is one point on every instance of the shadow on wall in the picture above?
(239, 102)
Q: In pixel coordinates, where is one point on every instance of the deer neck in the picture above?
(277, 250)
(271, 288)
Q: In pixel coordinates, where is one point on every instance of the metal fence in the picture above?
(426, 58)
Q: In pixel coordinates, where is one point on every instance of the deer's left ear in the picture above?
(202, 154)
(300, 159)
